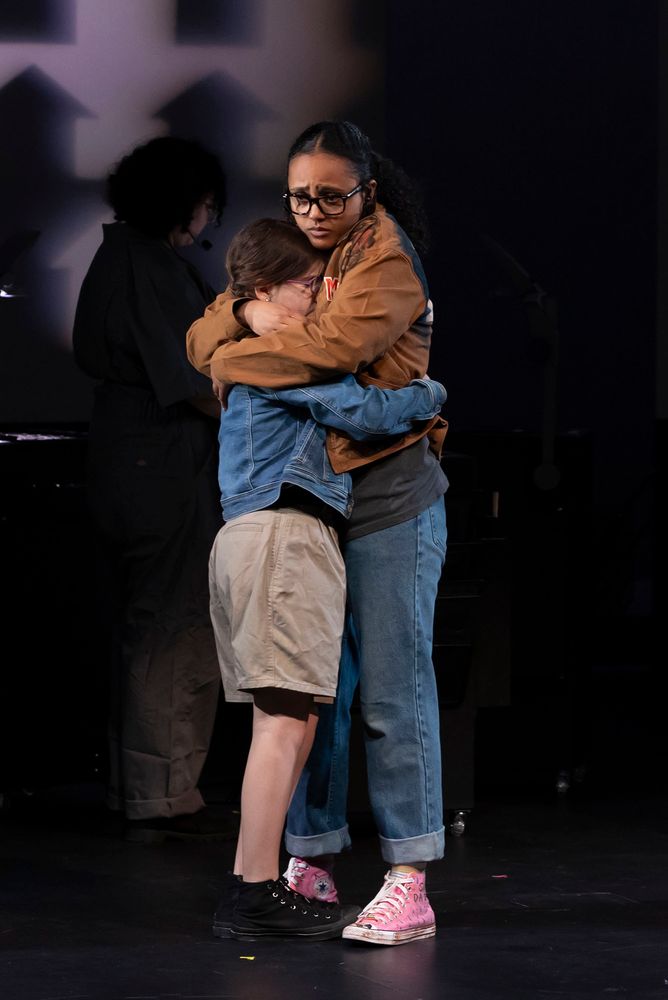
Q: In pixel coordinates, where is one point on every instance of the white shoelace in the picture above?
(298, 868)
(384, 906)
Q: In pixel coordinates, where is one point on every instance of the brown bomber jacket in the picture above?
(372, 318)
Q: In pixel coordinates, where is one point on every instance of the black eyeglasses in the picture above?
(328, 204)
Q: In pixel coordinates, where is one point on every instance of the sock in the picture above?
(420, 866)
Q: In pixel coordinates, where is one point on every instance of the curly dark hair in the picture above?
(395, 190)
(268, 252)
(157, 186)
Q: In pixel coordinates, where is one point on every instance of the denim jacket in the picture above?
(273, 438)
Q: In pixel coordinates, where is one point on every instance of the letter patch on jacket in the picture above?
(331, 284)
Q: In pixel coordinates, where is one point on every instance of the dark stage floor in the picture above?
(559, 896)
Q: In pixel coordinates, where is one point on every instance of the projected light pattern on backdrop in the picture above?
(83, 81)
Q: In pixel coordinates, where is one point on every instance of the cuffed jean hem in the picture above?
(427, 847)
(332, 842)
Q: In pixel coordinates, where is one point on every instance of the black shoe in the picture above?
(271, 909)
(222, 918)
(207, 824)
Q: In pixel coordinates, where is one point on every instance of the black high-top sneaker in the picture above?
(271, 909)
(222, 918)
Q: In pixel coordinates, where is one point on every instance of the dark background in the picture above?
(550, 148)
(536, 124)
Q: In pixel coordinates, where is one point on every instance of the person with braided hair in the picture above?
(277, 577)
(372, 318)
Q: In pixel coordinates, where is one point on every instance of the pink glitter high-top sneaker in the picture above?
(314, 883)
(398, 914)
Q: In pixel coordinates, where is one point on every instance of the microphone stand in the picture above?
(541, 310)
(573, 693)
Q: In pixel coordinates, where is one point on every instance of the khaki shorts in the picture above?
(278, 589)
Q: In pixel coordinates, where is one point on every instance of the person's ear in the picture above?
(263, 292)
(370, 192)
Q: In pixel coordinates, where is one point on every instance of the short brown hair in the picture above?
(267, 252)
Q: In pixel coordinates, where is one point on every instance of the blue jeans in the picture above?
(393, 578)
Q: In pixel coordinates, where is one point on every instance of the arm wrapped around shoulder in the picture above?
(217, 326)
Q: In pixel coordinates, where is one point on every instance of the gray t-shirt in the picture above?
(395, 489)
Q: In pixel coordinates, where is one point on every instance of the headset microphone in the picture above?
(202, 244)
